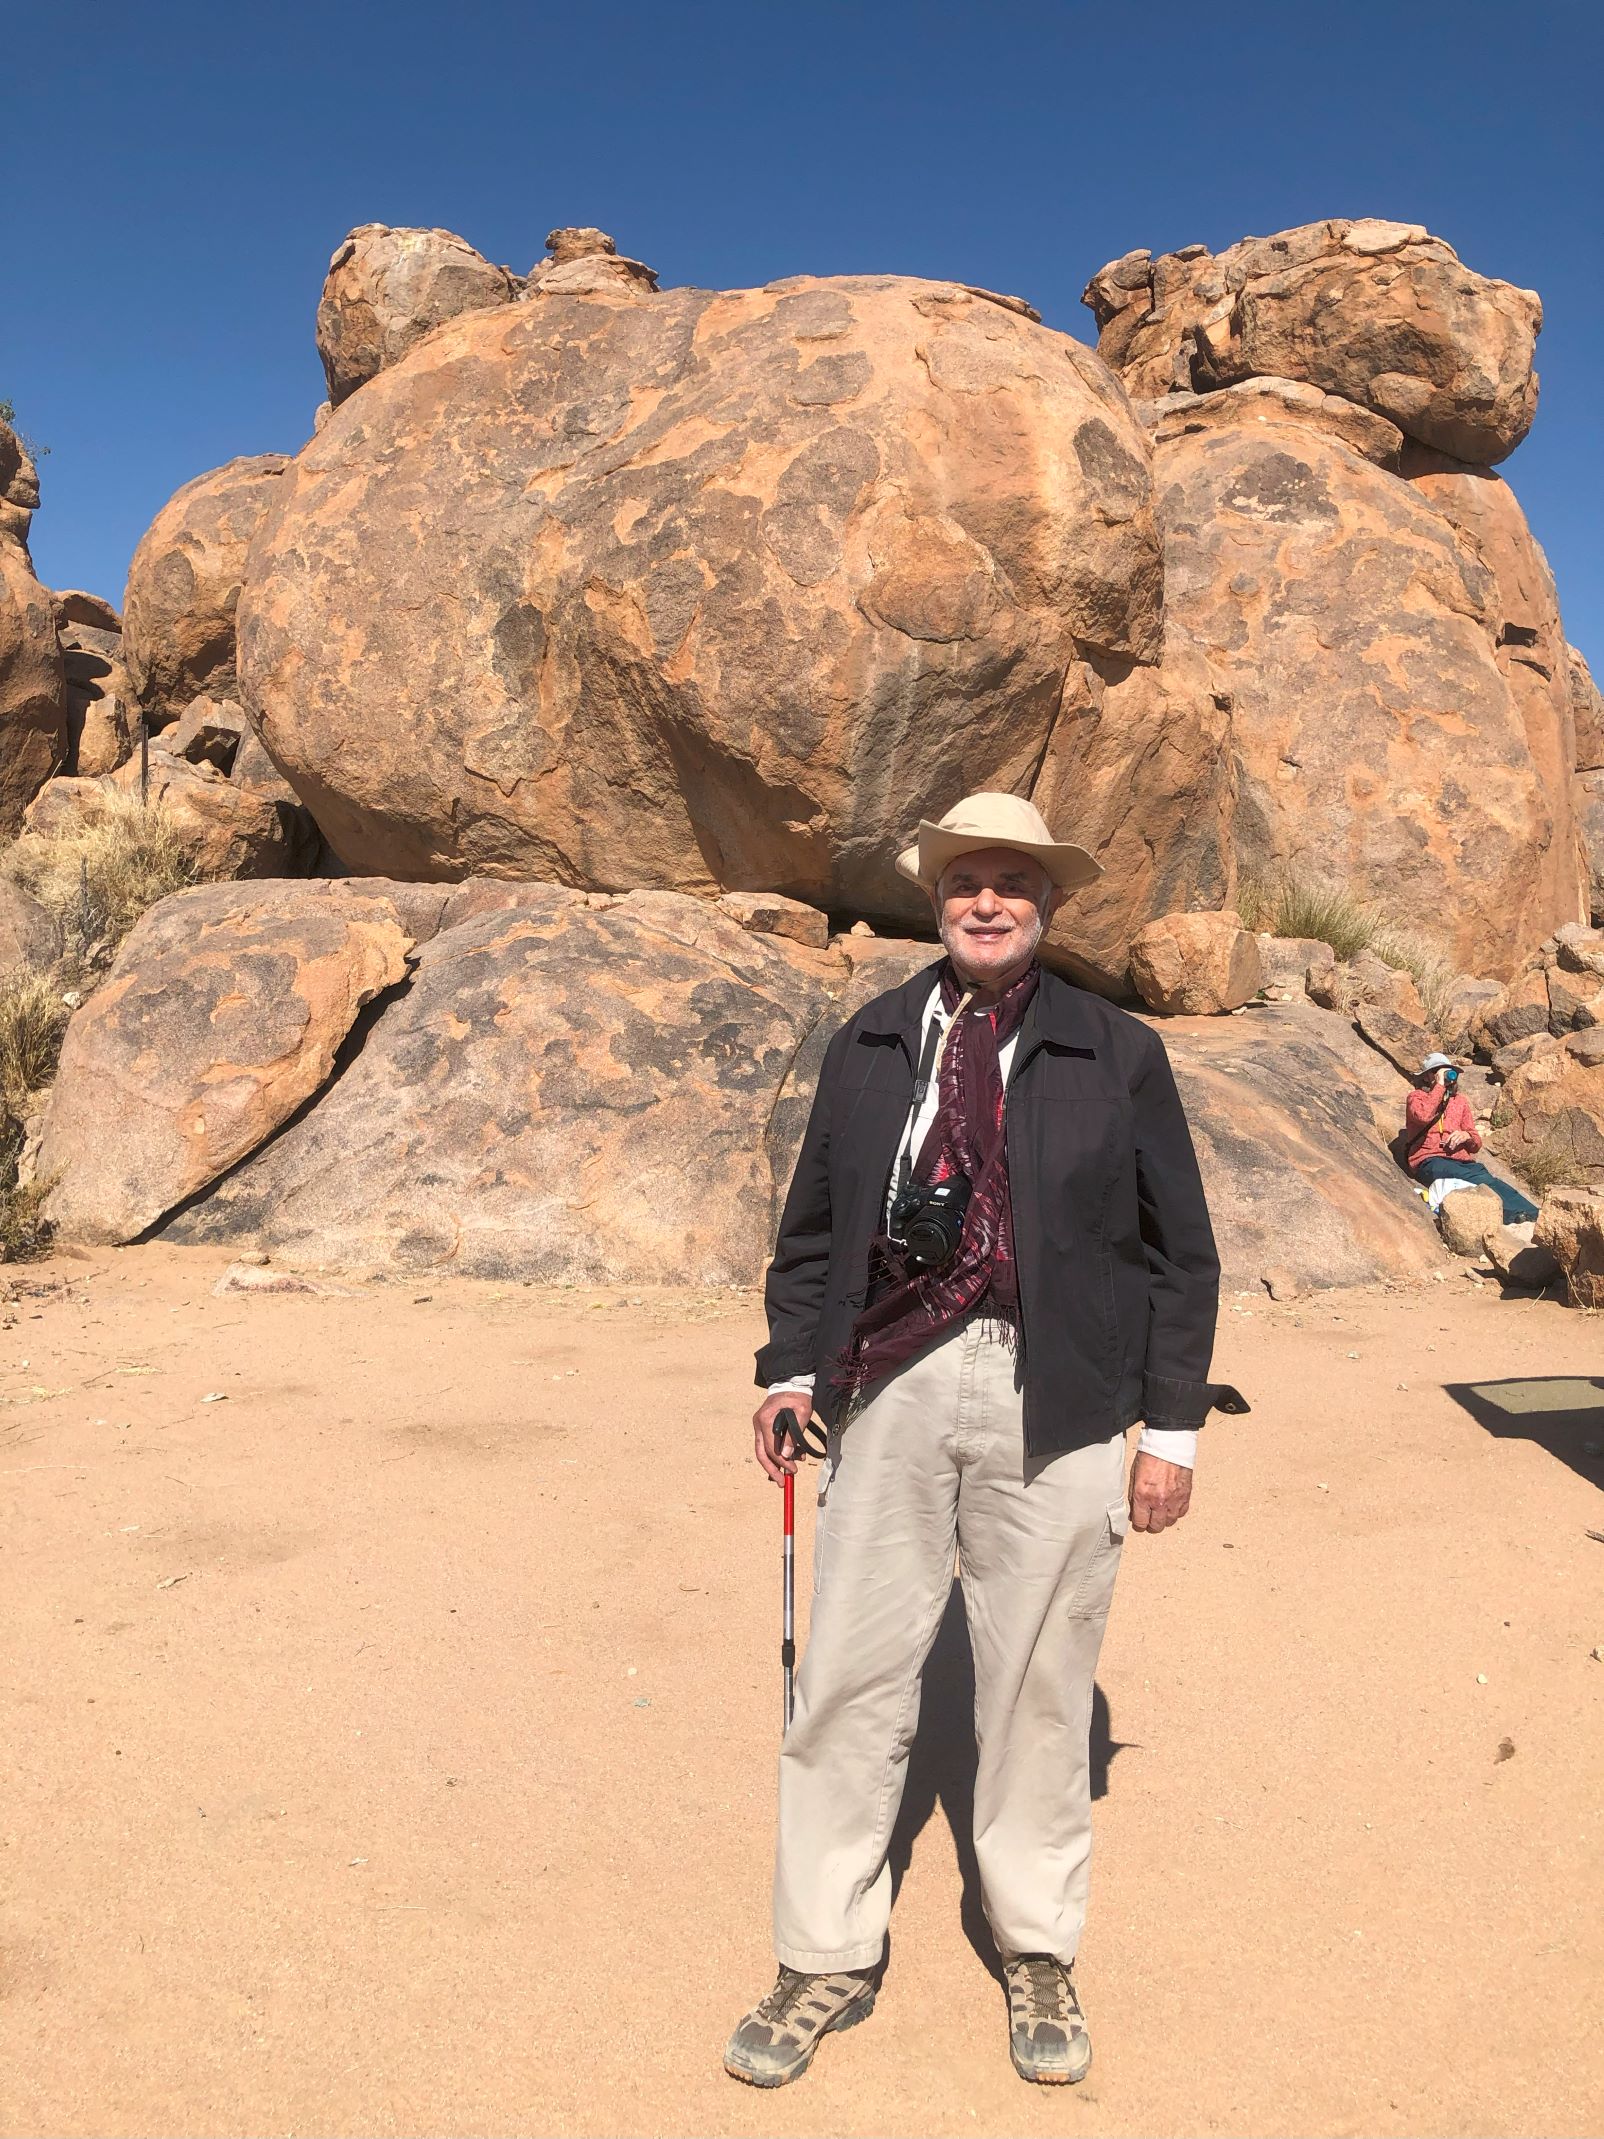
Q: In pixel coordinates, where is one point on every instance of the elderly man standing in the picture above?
(995, 1257)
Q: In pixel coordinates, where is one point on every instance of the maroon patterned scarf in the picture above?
(967, 1137)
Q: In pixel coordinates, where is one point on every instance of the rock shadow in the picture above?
(941, 1769)
(1563, 1413)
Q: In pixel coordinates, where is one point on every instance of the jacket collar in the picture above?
(1056, 1016)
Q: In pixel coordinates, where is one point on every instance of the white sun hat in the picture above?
(991, 820)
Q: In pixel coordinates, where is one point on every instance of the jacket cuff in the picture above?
(784, 1362)
(1169, 1402)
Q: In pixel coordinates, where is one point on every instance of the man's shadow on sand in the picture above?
(941, 1768)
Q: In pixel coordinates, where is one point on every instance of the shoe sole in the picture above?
(848, 2019)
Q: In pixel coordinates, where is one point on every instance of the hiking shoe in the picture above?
(1047, 2037)
(777, 2039)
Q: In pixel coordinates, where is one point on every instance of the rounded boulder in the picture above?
(695, 590)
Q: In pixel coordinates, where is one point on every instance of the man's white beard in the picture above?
(1022, 945)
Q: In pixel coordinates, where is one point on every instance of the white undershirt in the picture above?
(1174, 1444)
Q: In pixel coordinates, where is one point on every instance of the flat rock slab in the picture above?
(221, 1016)
(1292, 1149)
(568, 1090)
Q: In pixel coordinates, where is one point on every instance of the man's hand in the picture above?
(1161, 1492)
(765, 1446)
(1455, 1138)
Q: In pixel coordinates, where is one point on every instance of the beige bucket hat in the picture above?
(988, 820)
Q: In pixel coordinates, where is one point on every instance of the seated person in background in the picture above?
(1440, 1134)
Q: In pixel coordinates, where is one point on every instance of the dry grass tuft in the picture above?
(1305, 906)
(99, 877)
(1292, 905)
(1550, 1164)
(24, 1229)
(33, 1018)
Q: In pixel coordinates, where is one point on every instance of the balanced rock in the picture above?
(386, 289)
(1571, 1227)
(75, 606)
(19, 487)
(715, 592)
(184, 584)
(1195, 965)
(1552, 1110)
(1381, 313)
(1466, 1217)
(100, 697)
(1379, 744)
(221, 1015)
(581, 262)
(30, 935)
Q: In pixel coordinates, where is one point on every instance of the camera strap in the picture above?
(930, 1057)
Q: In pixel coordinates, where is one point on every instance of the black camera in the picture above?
(927, 1221)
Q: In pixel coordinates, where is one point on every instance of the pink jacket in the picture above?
(1427, 1133)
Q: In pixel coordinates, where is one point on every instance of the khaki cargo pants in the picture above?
(935, 1460)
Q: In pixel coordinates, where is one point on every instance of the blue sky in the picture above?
(174, 178)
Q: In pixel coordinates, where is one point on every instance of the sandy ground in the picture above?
(390, 1745)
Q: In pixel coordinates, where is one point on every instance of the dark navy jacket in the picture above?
(1118, 1276)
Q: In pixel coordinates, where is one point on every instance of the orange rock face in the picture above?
(694, 590)
(1381, 313)
(1384, 741)
(184, 584)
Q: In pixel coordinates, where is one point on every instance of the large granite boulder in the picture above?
(567, 1090)
(222, 1014)
(33, 691)
(1380, 744)
(696, 590)
(184, 584)
(386, 289)
(1382, 314)
(577, 1086)
(1195, 964)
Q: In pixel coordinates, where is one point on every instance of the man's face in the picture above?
(991, 908)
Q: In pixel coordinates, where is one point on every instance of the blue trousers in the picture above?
(1516, 1206)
